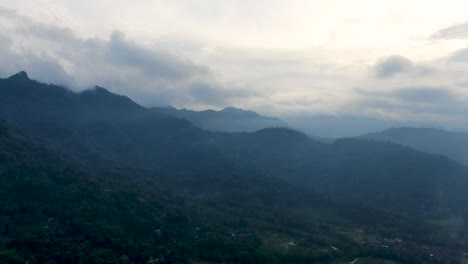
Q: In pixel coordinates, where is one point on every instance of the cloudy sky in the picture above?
(395, 60)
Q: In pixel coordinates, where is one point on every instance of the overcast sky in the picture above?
(398, 60)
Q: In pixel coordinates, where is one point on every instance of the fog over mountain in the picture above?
(156, 177)
(293, 68)
(233, 132)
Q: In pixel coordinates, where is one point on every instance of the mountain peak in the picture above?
(101, 97)
(100, 89)
(22, 75)
(97, 90)
(233, 109)
(239, 112)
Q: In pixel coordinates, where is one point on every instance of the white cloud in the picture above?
(280, 57)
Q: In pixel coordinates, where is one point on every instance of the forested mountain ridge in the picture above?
(273, 179)
(229, 119)
(98, 124)
(451, 144)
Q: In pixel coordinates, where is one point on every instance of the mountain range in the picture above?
(449, 143)
(179, 193)
(229, 119)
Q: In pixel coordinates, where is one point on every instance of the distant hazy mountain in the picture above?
(229, 119)
(451, 144)
(328, 126)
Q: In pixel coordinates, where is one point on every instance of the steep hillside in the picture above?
(56, 212)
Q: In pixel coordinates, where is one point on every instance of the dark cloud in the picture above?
(424, 95)
(39, 65)
(47, 68)
(459, 56)
(458, 31)
(391, 66)
(440, 103)
(149, 74)
(153, 62)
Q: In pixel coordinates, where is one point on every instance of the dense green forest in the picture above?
(93, 177)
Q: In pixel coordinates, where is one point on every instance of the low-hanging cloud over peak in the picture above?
(151, 75)
(186, 59)
(157, 63)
